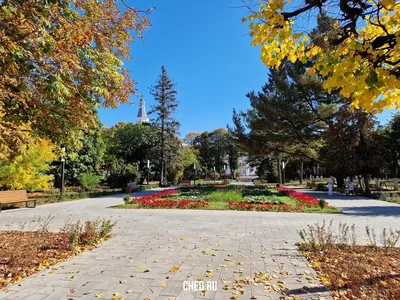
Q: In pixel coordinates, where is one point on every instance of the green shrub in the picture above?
(127, 198)
(225, 196)
(90, 181)
(322, 203)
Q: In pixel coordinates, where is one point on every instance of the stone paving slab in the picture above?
(230, 244)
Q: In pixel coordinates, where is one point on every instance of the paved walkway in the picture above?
(229, 244)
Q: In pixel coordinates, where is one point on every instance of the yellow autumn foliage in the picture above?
(364, 64)
(28, 170)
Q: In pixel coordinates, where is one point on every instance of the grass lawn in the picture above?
(225, 198)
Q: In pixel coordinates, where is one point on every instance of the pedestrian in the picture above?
(330, 186)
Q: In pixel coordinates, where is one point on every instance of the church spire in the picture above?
(142, 115)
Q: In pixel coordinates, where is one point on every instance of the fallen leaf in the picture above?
(174, 269)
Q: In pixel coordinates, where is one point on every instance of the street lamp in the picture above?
(62, 171)
(224, 172)
(148, 172)
(214, 174)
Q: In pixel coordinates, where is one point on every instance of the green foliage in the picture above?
(225, 196)
(90, 181)
(286, 116)
(126, 199)
(122, 174)
(263, 199)
(215, 149)
(256, 191)
(164, 94)
(322, 203)
(86, 159)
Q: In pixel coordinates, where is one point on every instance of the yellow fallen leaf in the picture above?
(163, 284)
(139, 266)
(99, 295)
(129, 291)
(116, 296)
(174, 269)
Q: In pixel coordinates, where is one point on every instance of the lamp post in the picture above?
(283, 169)
(62, 171)
(148, 172)
(224, 172)
(214, 174)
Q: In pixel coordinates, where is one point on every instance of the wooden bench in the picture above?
(185, 182)
(17, 196)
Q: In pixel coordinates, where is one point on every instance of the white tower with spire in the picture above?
(142, 115)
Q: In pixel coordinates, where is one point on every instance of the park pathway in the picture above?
(226, 243)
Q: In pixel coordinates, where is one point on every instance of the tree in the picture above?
(287, 117)
(204, 145)
(87, 159)
(360, 58)
(130, 144)
(233, 157)
(59, 60)
(220, 139)
(164, 94)
(190, 137)
(28, 171)
(188, 158)
(353, 147)
(392, 137)
(215, 149)
(265, 167)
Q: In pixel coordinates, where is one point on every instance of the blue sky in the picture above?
(206, 51)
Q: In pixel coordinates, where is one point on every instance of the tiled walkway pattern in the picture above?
(224, 245)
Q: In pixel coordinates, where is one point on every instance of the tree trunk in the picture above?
(361, 184)
(366, 183)
(279, 169)
(162, 153)
(340, 181)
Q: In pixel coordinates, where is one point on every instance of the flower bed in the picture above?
(301, 197)
(156, 201)
(256, 199)
(244, 205)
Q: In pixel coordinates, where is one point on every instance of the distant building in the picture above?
(142, 115)
(244, 169)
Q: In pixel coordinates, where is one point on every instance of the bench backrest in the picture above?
(13, 196)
